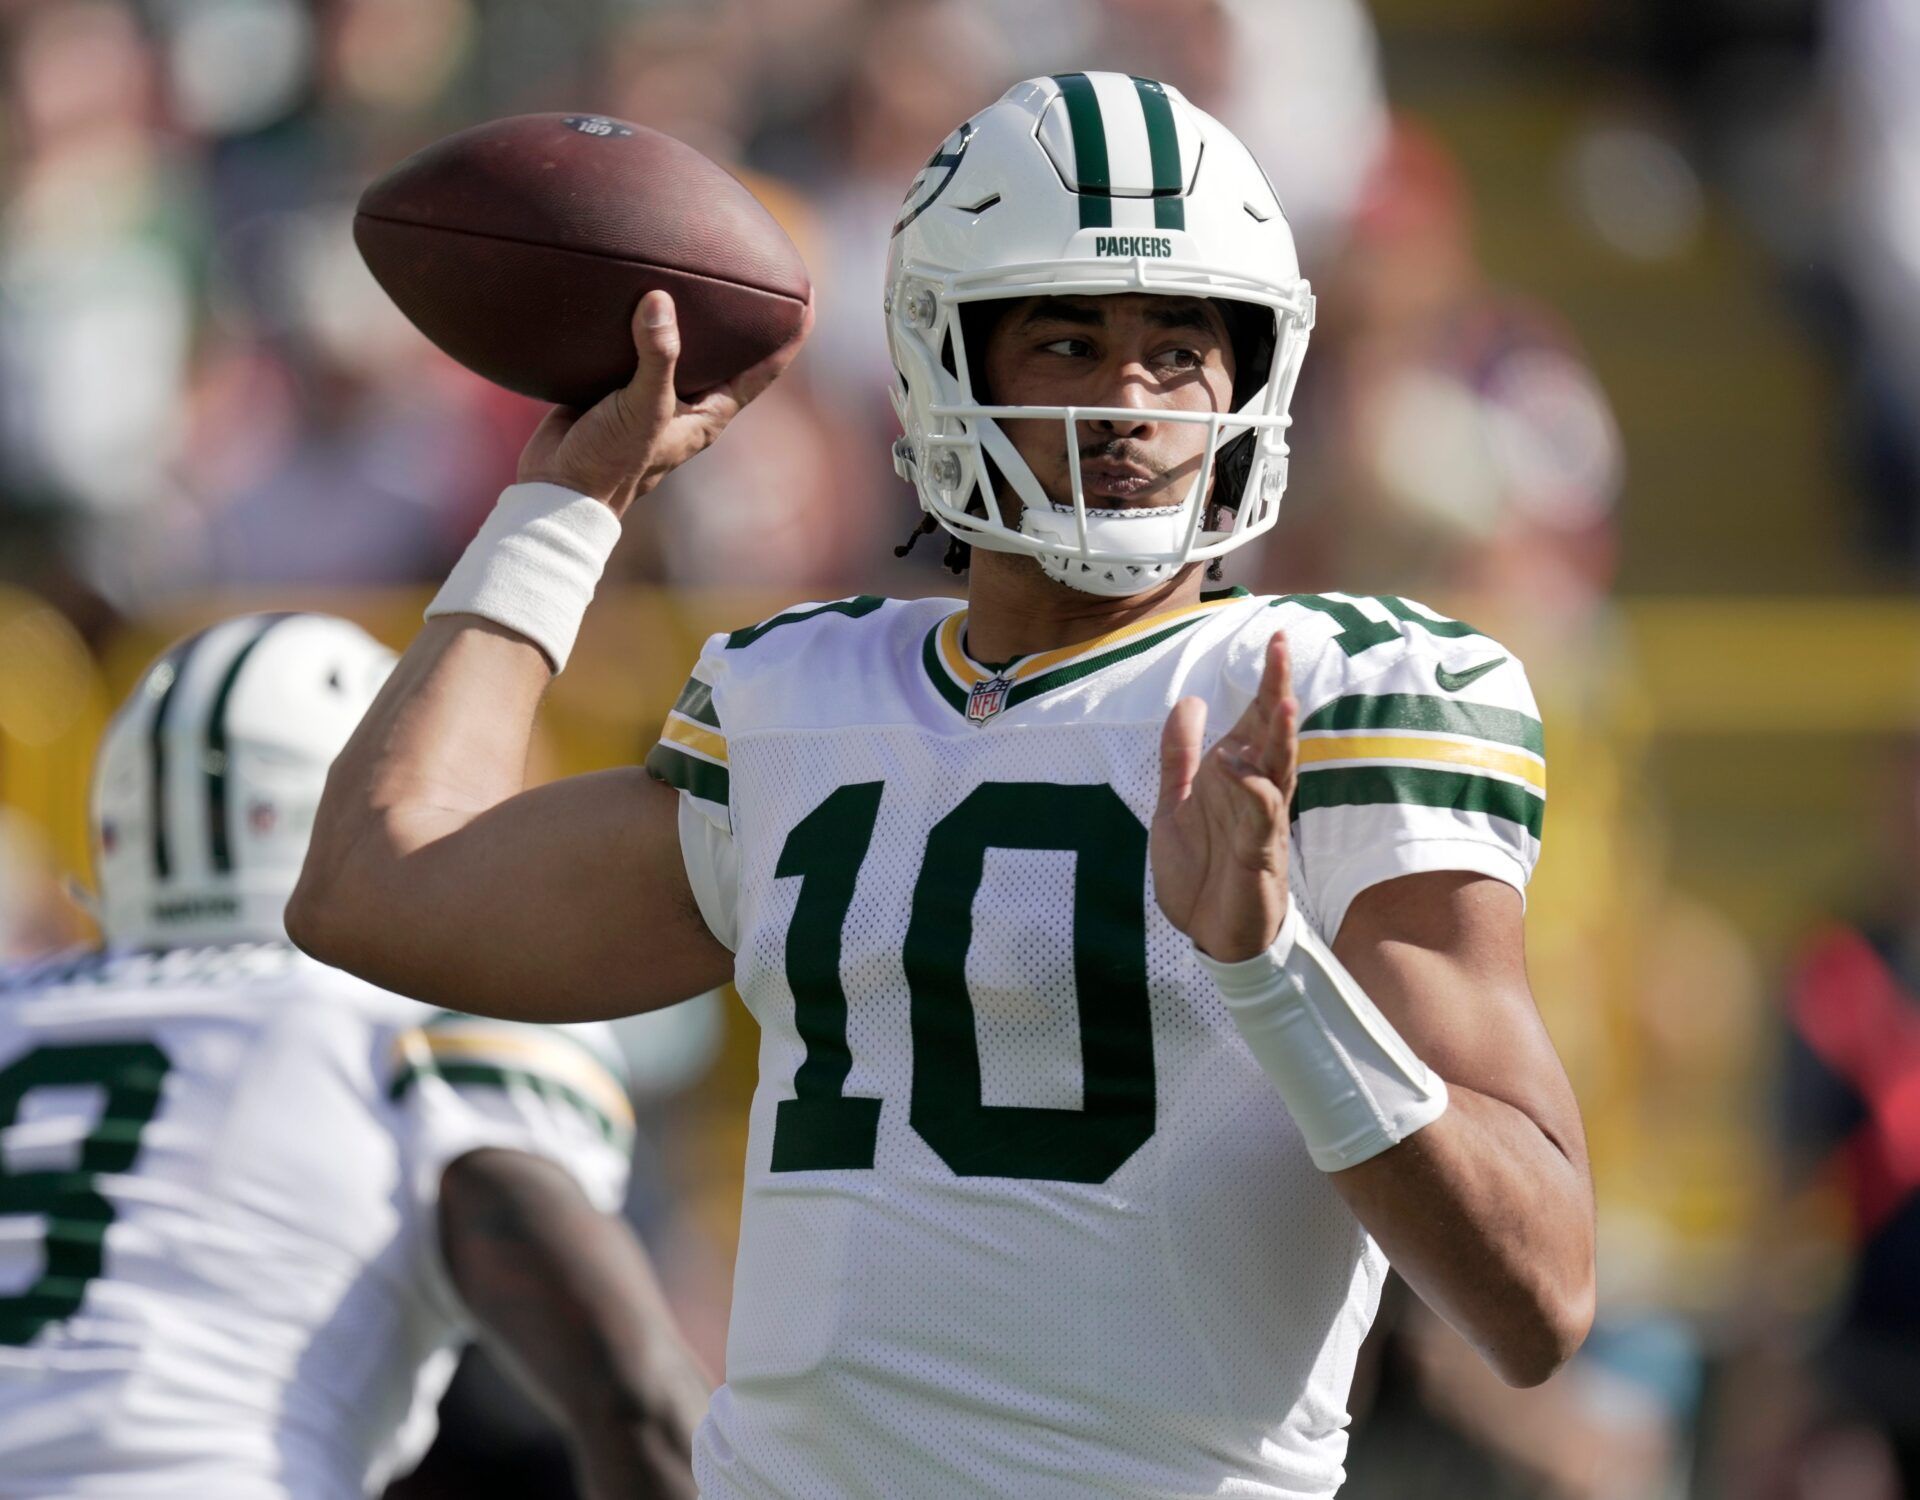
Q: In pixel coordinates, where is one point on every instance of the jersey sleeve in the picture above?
(691, 756)
(1420, 750)
(467, 1083)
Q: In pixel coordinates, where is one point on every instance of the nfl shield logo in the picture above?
(987, 699)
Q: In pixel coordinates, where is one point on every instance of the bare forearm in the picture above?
(445, 740)
(568, 1295)
(1491, 1223)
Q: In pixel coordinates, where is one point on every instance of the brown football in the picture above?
(521, 248)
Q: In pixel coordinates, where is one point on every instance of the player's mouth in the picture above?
(1118, 484)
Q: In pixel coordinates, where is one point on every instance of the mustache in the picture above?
(1123, 451)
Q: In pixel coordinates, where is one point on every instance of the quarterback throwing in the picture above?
(1139, 967)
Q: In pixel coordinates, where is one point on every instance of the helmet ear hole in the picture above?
(1252, 330)
(978, 320)
(1230, 470)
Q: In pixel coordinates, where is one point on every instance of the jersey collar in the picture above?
(956, 676)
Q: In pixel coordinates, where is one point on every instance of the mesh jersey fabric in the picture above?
(1022, 1216)
(265, 1316)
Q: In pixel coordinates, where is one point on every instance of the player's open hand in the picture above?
(630, 440)
(1220, 831)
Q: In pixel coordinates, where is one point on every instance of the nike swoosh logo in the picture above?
(1454, 681)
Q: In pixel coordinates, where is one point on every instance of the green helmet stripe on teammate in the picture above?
(207, 779)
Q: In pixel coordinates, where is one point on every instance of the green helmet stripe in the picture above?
(157, 756)
(219, 847)
(1163, 140)
(1095, 184)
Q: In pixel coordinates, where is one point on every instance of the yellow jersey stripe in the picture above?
(561, 1061)
(1479, 754)
(967, 673)
(952, 657)
(684, 732)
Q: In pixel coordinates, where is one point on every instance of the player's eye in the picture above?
(1069, 348)
(1181, 359)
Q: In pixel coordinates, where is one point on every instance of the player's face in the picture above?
(1149, 354)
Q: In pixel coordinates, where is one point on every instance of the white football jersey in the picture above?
(1022, 1215)
(219, 1172)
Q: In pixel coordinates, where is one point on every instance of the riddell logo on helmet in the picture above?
(1133, 244)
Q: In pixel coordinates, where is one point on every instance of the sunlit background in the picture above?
(1618, 357)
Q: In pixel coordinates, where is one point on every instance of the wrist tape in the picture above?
(533, 566)
(1352, 1085)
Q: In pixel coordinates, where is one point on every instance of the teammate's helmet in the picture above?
(206, 783)
(1091, 184)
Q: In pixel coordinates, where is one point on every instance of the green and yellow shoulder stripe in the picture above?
(691, 753)
(1425, 750)
(1423, 712)
(577, 1066)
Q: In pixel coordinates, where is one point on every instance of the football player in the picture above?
(250, 1207)
(1138, 966)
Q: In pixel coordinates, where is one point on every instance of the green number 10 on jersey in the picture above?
(822, 1127)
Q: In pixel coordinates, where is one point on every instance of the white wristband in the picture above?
(1352, 1085)
(533, 566)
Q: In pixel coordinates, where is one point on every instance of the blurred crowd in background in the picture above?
(1618, 356)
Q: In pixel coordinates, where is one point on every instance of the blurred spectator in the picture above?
(100, 256)
(1873, 59)
(346, 449)
(1840, 1272)
(1453, 438)
(1456, 446)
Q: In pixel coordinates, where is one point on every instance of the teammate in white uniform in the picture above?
(1138, 969)
(251, 1208)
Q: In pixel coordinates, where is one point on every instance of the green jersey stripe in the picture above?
(607, 1056)
(853, 609)
(688, 773)
(1046, 682)
(492, 1075)
(955, 695)
(1423, 711)
(1061, 676)
(1163, 140)
(1358, 786)
(1095, 183)
(696, 702)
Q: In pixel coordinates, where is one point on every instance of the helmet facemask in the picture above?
(1113, 552)
(1091, 185)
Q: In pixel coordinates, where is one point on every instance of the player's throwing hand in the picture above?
(624, 445)
(1219, 842)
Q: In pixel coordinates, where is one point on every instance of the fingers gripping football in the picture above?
(622, 447)
(1220, 831)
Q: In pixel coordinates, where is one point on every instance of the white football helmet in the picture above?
(1090, 184)
(206, 783)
